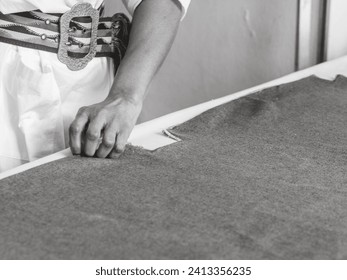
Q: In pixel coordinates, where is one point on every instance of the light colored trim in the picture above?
(304, 34)
(326, 30)
(336, 22)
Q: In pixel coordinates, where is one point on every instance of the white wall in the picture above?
(223, 46)
(336, 35)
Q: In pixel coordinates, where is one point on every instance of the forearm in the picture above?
(153, 30)
(154, 27)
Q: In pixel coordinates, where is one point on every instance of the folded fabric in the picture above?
(262, 177)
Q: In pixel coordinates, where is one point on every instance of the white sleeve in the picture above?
(131, 5)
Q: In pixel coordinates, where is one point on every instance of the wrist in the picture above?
(135, 96)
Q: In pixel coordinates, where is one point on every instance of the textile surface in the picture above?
(262, 177)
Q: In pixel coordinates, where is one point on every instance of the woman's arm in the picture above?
(154, 27)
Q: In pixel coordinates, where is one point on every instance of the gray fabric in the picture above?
(262, 177)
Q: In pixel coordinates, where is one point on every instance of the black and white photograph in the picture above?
(173, 139)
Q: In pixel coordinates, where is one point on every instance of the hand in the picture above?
(109, 122)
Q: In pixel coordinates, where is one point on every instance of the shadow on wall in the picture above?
(222, 47)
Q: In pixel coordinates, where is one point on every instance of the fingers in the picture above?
(85, 134)
(92, 136)
(108, 142)
(76, 130)
(103, 129)
(121, 142)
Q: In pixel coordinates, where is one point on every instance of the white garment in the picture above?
(132, 5)
(61, 6)
(46, 6)
(39, 96)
